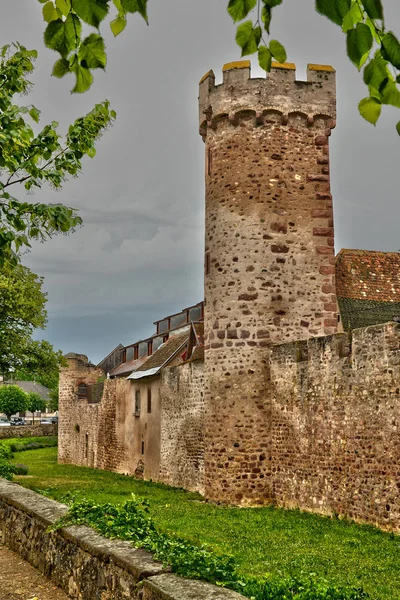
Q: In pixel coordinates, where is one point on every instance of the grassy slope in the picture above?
(261, 539)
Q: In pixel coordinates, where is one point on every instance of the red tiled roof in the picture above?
(368, 275)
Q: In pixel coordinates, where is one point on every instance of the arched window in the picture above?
(82, 390)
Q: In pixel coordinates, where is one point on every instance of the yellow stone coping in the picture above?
(286, 65)
(238, 64)
(210, 72)
(326, 68)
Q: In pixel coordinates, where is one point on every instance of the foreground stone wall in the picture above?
(28, 431)
(335, 425)
(182, 426)
(84, 564)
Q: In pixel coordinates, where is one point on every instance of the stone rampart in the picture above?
(182, 426)
(28, 431)
(335, 425)
(84, 564)
(162, 441)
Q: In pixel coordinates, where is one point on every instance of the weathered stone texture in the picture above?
(84, 564)
(182, 426)
(266, 277)
(111, 434)
(335, 425)
(28, 431)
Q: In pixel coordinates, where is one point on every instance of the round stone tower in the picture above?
(269, 253)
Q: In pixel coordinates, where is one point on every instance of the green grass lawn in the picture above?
(262, 540)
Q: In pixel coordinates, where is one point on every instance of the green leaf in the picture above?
(277, 51)
(335, 10)
(92, 53)
(376, 72)
(118, 25)
(398, 127)
(359, 44)
(390, 94)
(374, 31)
(133, 6)
(353, 17)
(35, 114)
(272, 3)
(49, 12)
(370, 109)
(392, 48)
(84, 79)
(61, 68)
(239, 9)
(264, 58)
(91, 11)
(64, 6)
(373, 8)
(62, 35)
(113, 114)
(248, 38)
(266, 17)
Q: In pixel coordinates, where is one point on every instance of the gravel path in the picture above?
(20, 581)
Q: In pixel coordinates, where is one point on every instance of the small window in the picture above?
(137, 403)
(142, 349)
(209, 162)
(129, 353)
(149, 400)
(82, 390)
(195, 313)
(86, 444)
(142, 447)
(207, 265)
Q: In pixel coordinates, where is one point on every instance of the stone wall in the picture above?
(28, 431)
(182, 426)
(84, 564)
(335, 425)
(269, 252)
(162, 441)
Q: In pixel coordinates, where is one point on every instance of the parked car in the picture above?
(16, 421)
(54, 420)
(46, 421)
(4, 422)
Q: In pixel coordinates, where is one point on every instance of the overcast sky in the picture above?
(139, 255)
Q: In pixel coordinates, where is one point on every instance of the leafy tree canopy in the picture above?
(36, 403)
(31, 158)
(371, 47)
(22, 309)
(41, 363)
(12, 400)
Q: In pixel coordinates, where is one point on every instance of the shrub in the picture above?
(7, 470)
(5, 452)
(21, 470)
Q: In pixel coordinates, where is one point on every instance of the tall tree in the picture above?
(369, 43)
(35, 403)
(22, 309)
(40, 362)
(30, 159)
(12, 400)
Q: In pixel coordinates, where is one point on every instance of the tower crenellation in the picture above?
(280, 92)
(269, 251)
